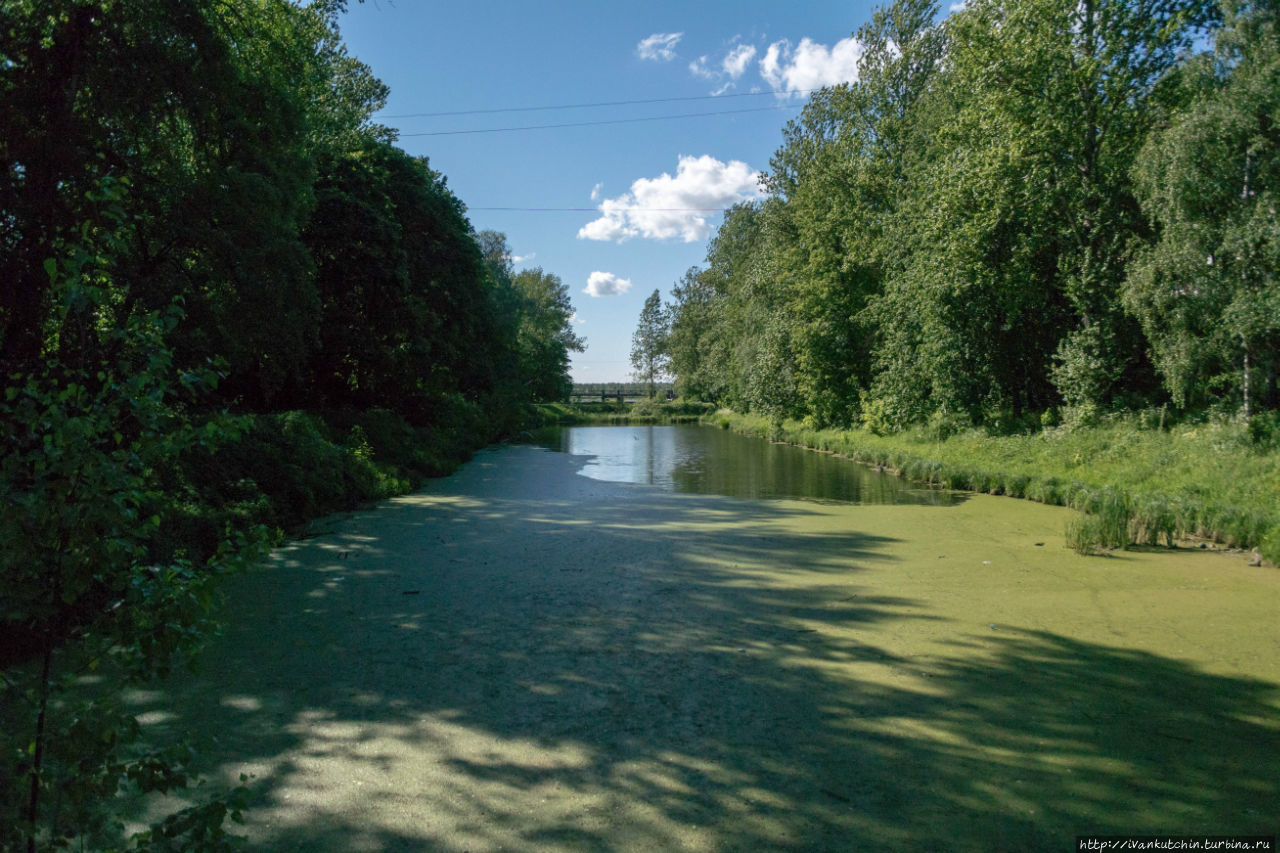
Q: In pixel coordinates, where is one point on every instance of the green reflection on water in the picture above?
(710, 461)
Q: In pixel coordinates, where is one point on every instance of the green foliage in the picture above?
(401, 284)
(87, 590)
(200, 215)
(546, 334)
(1264, 430)
(1269, 547)
(1207, 290)
(1011, 210)
(1202, 478)
(649, 344)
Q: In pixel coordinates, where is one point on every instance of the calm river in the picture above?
(709, 461)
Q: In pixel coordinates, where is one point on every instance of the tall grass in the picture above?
(1136, 483)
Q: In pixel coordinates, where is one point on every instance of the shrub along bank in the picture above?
(288, 468)
(1136, 483)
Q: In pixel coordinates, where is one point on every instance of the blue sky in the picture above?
(635, 188)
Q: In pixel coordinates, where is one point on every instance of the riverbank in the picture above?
(285, 469)
(1211, 481)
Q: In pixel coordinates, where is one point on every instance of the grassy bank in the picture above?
(1215, 480)
(642, 412)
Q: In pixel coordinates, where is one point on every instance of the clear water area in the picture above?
(707, 460)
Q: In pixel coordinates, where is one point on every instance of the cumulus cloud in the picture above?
(666, 207)
(520, 259)
(606, 284)
(809, 65)
(595, 191)
(660, 47)
(732, 66)
(737, 60)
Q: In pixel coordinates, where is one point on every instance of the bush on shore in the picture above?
(288, 468)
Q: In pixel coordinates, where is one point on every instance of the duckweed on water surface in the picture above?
(593, 665)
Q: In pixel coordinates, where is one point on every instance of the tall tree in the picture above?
(1208, 291)
(694, 325)
(199, 109)
(1022, 215)
(840, 173)
(546, 335)
(649, 343)
(406, 317)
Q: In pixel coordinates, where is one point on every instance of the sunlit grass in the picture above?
(1211, 480)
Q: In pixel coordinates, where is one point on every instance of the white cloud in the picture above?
(730, 68)
(810, 65)
(520, 259)
(595, 191)
(660, 47)
(699, 69)
(666, 207)
(737, 60)
(606, 284)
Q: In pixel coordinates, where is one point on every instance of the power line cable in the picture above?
(596, 104)
(595, 123)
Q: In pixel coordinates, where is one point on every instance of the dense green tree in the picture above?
(694, 325)
(649, 343)
(199, 108)
(1079, 85)
(1022, 217)
(1208, 291)
(735, 258)
(407, 315)
(840, 172)
(963, 233)
(546, 335)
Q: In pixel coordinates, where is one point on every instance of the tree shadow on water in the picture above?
(550, 663)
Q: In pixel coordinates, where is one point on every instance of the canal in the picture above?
(706, 461)
(577, 649)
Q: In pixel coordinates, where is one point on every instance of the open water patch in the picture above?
(708, 461)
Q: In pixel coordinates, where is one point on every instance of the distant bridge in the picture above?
(621, 392)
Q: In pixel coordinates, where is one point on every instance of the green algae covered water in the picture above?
(522, 658)
(708, 461)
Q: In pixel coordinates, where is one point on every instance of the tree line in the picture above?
(1030, 209)
(202, 226)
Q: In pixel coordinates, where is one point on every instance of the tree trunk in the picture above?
(1245, 384)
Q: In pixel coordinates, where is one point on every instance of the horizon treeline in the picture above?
(1028, 210)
